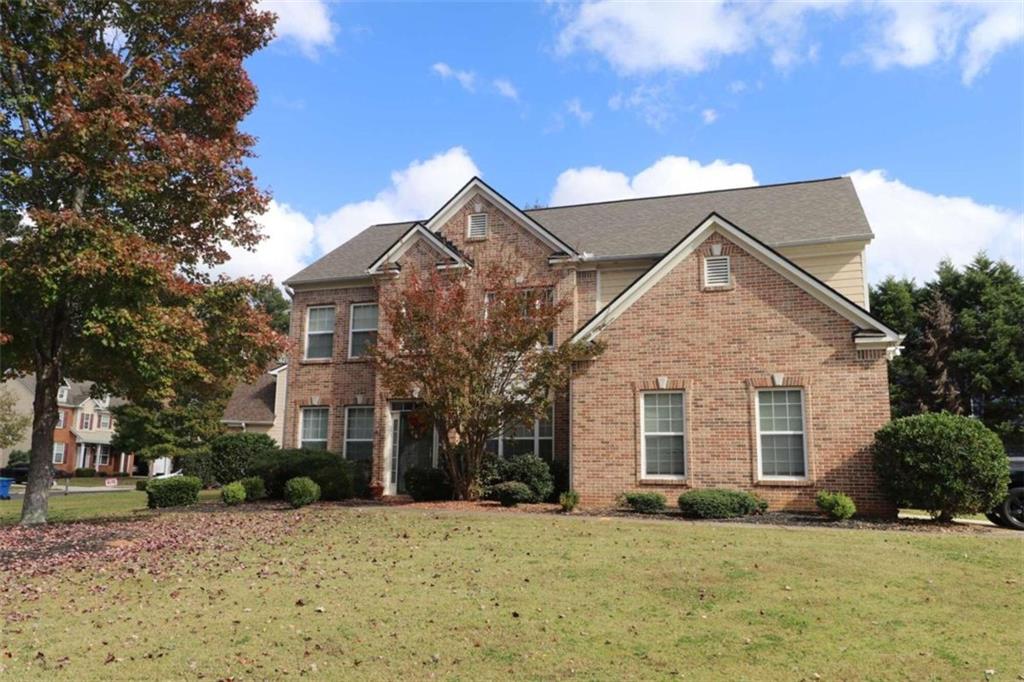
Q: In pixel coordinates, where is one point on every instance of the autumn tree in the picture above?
(124, 182)
(474, 347)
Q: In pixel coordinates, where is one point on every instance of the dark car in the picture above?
(1011, 512)
(19, 472)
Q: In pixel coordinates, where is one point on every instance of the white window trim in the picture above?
(344, 445)
(61, 419)
(101, 418)
(101, 452)
(82, 419)
(644, 476)
(302, 411)
(536, 438)
(728, 264)
(63, 453)
(306, 332)
(351, 325)
(758, 433)
(469, 223)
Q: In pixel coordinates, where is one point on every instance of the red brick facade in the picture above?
(717, 346)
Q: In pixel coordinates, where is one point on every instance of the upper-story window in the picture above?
(476, 226)
(61, 419)
(319, 332)
(104, 420)
(85, 421)
(363, 329)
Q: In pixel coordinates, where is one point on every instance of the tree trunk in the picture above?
(44, 419)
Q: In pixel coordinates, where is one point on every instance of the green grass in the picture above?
(381, 594)
(84, 506)
(97, 481)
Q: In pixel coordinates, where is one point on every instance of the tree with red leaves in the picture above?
(123, 181)
(474, 347)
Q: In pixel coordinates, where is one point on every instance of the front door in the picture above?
(412, 444)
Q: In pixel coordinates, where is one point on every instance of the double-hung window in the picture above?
(61, 419)
(104, 421)
(313, 429)
(359, 433)
(58, 453)
(103, 456)
(663, 446)
(319, 332)
(362, 329)
(781, 442)
(536, 439)
(85, 422)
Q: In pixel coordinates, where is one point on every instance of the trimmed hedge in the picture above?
(838, 506)
(255, 489)
(232, 454)
(300, 491)
(569, 500)
(425, 484)
(720, 504)
(944, 463)
(85, 472)
(511, 493)
(233, 493)
(329, 471)
(645, 503)
(178, 491)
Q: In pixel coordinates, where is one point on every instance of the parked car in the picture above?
(1010, 513)
(19, 472)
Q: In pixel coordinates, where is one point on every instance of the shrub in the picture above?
(569, 500)
(232, 454)
(197, 462)
(86, 472)
(233, 493)
(560, 478)
(254, 488)
(511, 493)
(720, 504)
(943, 463)
(300, 491)
(645, 503)
(427, 483)
(178, 491)
(530, 470)
(328, 470)
(18, 457)
(837, 505)
(141, 485)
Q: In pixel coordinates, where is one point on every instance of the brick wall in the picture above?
(720, 346)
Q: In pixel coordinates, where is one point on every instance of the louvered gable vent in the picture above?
(477, 226)
(716, 271)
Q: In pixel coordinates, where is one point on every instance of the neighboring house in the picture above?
(259, 406)
(83, 433)
(739, 349)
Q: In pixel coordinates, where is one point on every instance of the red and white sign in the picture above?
(110, 482)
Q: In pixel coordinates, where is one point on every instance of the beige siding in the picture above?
(280, 397)
(612, 282)
(841, 266)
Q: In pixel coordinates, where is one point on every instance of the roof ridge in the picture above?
(687, 194)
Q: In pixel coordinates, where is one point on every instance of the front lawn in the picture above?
(382, 593)
(89, 506)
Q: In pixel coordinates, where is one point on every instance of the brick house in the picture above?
(84, 430)
(740, 350)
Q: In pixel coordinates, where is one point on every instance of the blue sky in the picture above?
(376, 112)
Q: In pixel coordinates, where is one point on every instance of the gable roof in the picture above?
(809, 212)
(875, 333)
(436, 240)
(253, 403)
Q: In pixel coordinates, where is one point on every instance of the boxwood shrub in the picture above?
(645, 503)
(511, 493)
(232, 454)
(425, 484)
(255, 489)
(300, 491)
(328, 470)
(85, 472)
(233, 493)
(528, 469)
(838, 506)
(720, 504)
(177, 491)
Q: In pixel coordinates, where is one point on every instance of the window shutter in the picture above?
(716, 271)
(477, 226)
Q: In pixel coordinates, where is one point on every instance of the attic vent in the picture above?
(586, 276)
(716, 271)
(477, 226)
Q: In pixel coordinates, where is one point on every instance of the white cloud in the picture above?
(467, 79)
(914, 230)
(998, 30)
(736, 87)
(506, 89)
(286, 248)
(653, 103)
(306, 23)
(709, 116)
(575, 108)
(668, 175)
(416, 191)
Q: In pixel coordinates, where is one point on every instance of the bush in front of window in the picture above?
(511, 493)
(232, 454)
(233, 493)
(425, 484)
(178, 491)
(838, 506)
(85, 472)
(300, 491)
(255, 489)
(943, 463)
(569, 500)
(327, 469)
(531, 470)
(645, 503)
(720, 504)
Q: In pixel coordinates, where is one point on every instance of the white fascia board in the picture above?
(406, 240)
(780, 264)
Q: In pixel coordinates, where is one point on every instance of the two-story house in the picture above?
(740, 351)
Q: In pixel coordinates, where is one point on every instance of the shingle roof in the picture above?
(252, 403)
(78, 391)
(779, 215)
